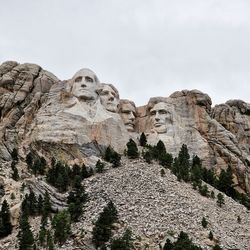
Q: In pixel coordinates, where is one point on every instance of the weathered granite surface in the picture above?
(76, 119)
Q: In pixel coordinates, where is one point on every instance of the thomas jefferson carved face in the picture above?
(109, 97)
(128, 113)
(84, 85)
(160, 116)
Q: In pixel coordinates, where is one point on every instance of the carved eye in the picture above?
(89, 79)
(104, 93)
(162, 111)
(153, 112)
(78, 79)
(126, 111)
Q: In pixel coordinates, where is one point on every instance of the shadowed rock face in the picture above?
(127, 111)
(77, 119)
(109, 97)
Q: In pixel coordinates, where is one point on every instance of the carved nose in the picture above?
(83, 85)
(111, 98)
(131, 117)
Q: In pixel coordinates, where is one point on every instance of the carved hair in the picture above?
(153, 101)
(80, 73)
(100, 88)
(125, 101)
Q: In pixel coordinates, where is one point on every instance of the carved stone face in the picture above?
(128, 114)
(160, 116)
(109, 98)
(84, 85)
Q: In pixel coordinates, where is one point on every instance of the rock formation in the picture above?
(76, 119)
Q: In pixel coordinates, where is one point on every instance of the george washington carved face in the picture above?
(84, 85)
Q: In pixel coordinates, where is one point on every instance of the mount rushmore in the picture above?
(76, 119)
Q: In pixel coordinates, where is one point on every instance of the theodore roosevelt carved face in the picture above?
(109, 97)
(84, 85)
(127, 111)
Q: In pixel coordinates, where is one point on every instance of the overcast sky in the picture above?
(145, 48)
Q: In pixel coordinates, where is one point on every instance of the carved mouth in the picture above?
(131, 125)
(157, 124)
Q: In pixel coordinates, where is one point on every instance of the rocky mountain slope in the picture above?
(42, 113)
(75, 120)
(156, 207)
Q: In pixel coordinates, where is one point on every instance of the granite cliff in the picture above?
(75, 120)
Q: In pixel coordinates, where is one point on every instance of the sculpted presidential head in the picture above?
(84, 85)
(160, 114)
(109, 97)
(127, 111)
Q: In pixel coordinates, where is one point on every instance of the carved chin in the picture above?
(111, 108)
(86, 96)
(130, 127)
(160, 129)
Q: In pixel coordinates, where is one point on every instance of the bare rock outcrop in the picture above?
(76, 119)
(23, 89)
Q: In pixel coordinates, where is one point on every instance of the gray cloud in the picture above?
(146, 48)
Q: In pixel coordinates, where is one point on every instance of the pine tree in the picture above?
(162, 172)
(220, 199)
(204, 222)
(14, 154)
(5, 225)
(166, 160)
(203, 190)
(103, 226)
(116, 160)
(76, 199)
(43, 164)
(132, 150)
(212, 194)
(160, 148)
(143, 140)
(210, 236)
(122, 243)
(84, 172)
(196, 169)
(183, 159)
(168, 245)
(176, 167)
(148, 157)
(42, 234)
(40, 204)
(183, 242)
(25, 236)
(217, 247)
(50, 241)
(61, 226)
(225, 182)
(238, 219)
(108, 154)
(29, 160)
(113, 157)
(15, 175)
(99, 166)
(46, 207)
(32, 201)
